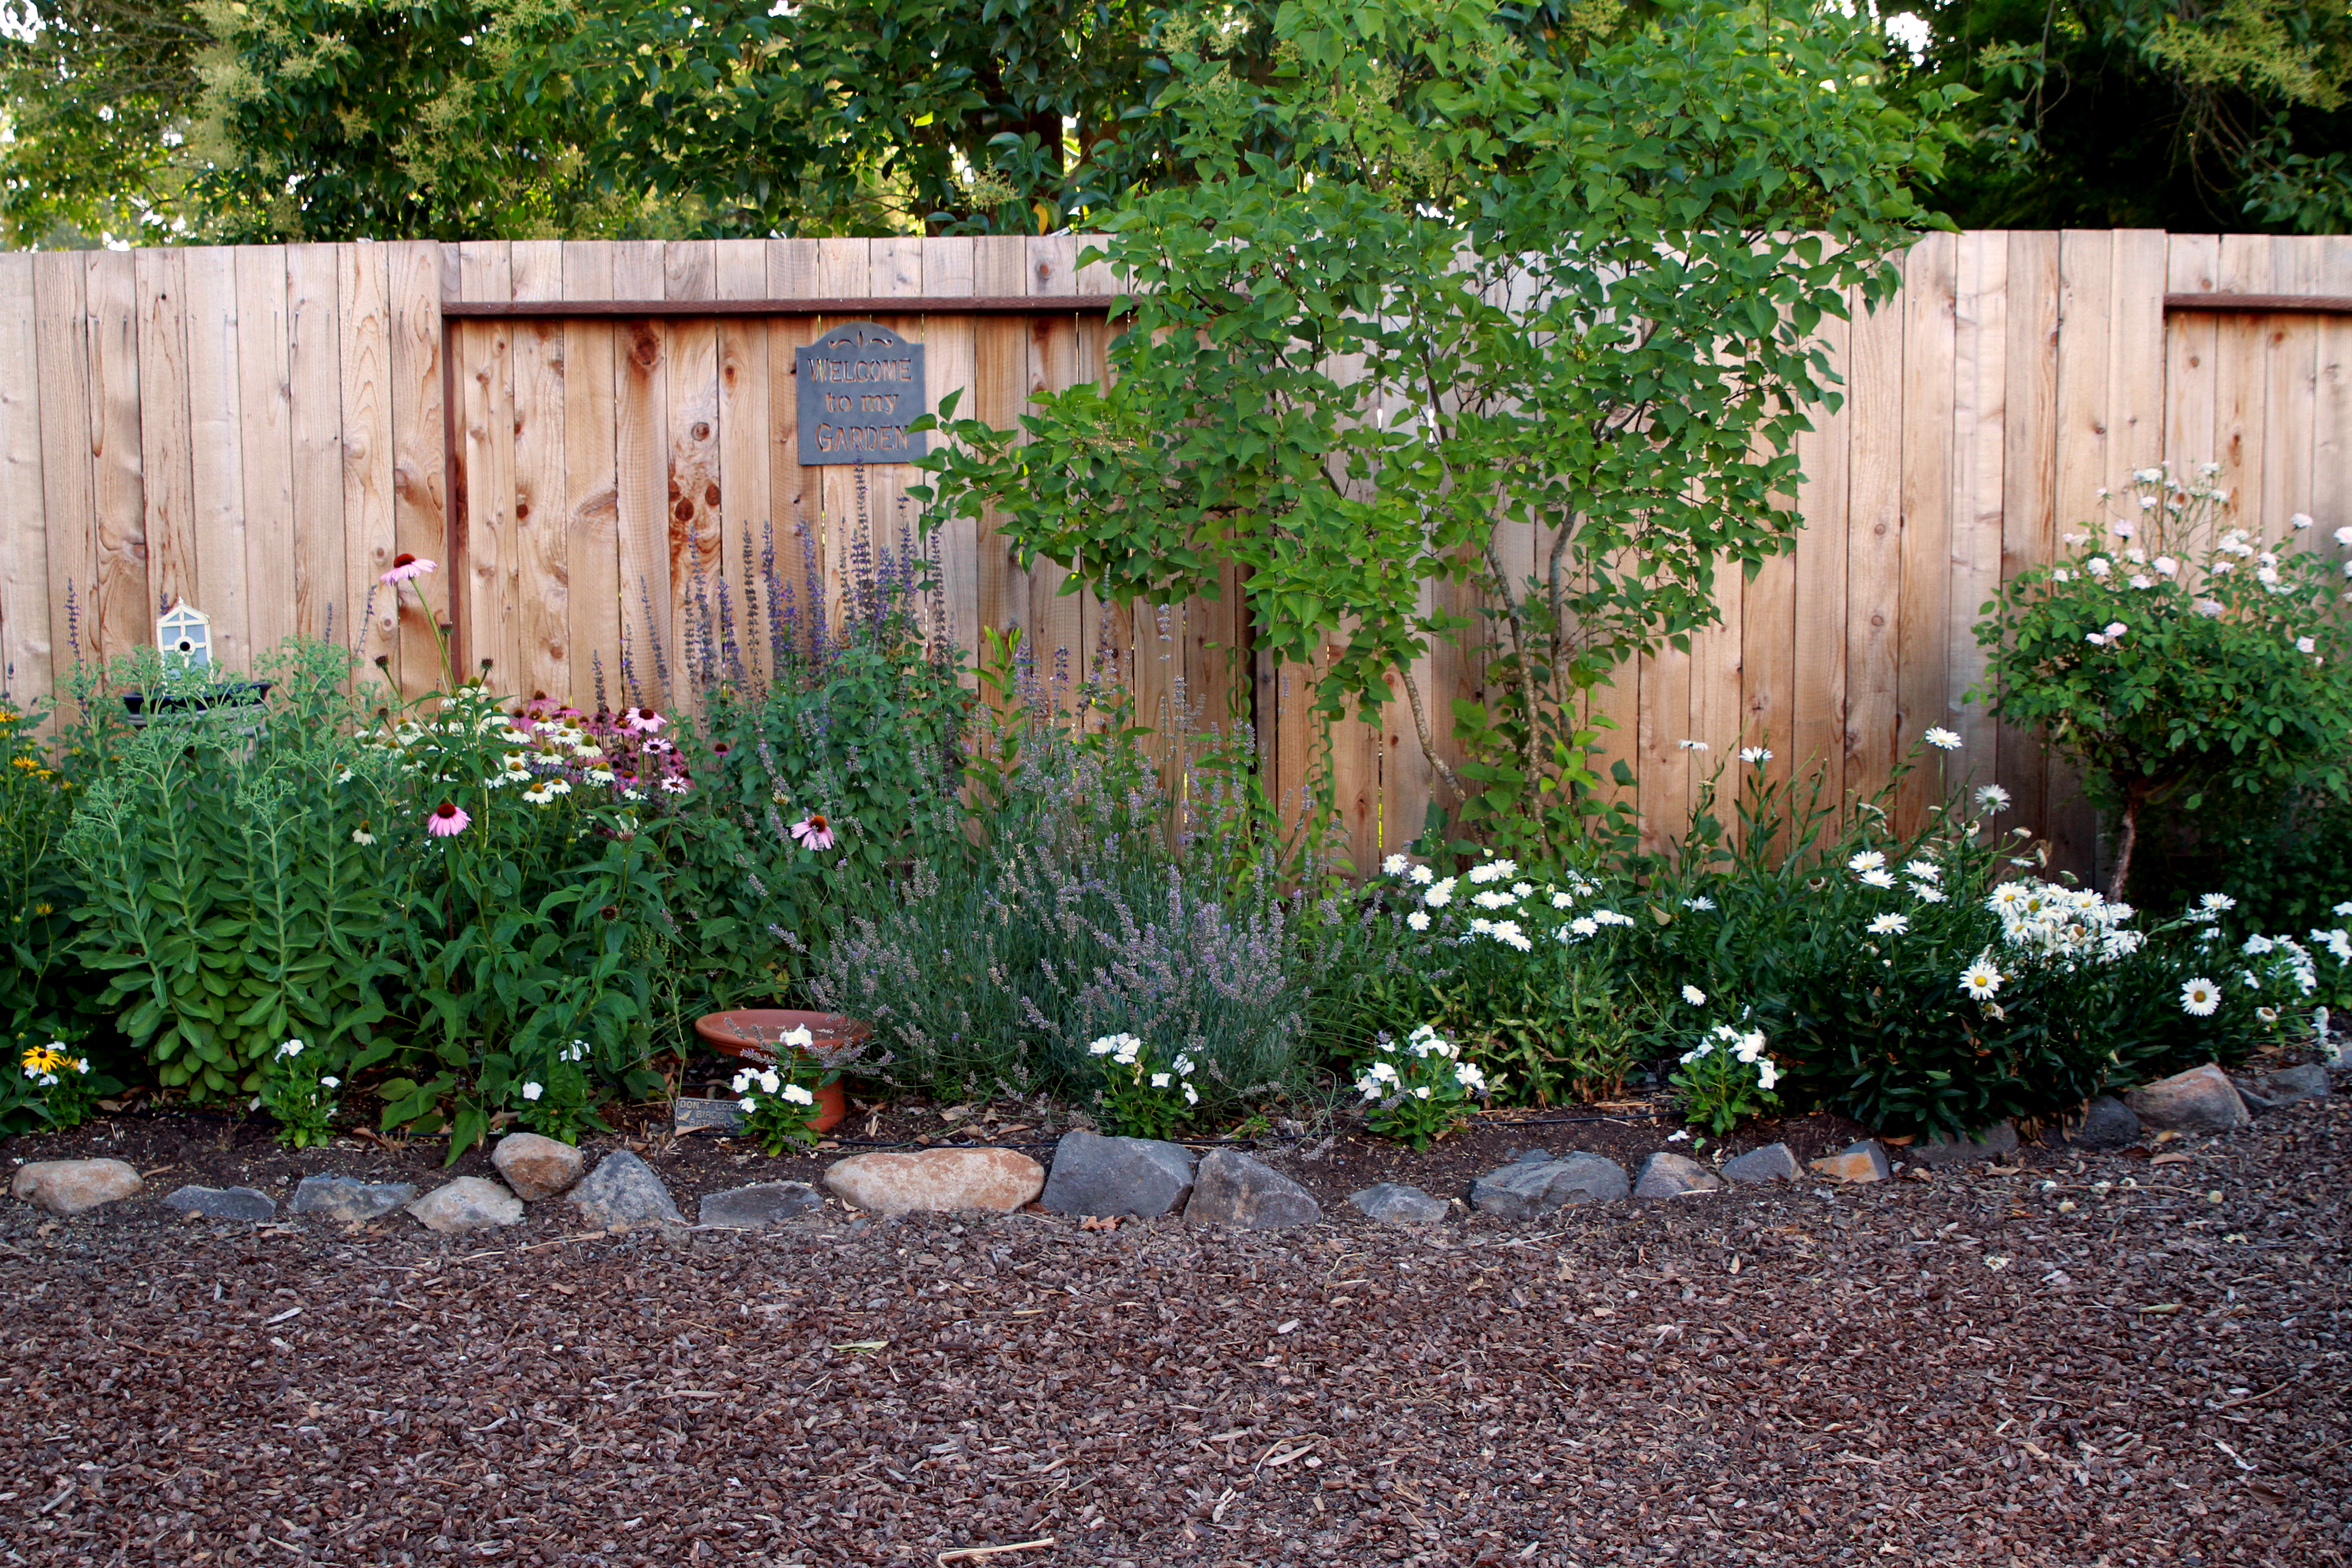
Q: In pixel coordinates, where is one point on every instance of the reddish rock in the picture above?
(2202, 1099)
(537, 1167)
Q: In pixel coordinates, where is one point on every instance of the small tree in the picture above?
(1567, 282)
(2167, 662)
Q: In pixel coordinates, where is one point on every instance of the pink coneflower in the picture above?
(813, 832)
(404, 568)
(643, 720)
(447, 820)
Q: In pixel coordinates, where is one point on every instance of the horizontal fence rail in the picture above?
(595, 438)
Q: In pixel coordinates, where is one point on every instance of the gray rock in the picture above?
(73, 1186)
(1393, 1202)
(1772, 1163)
(537, 1167)
(1230, 1188)
(761, 1204)
(623, 1193)
(1997, 1143)
(470, 1202)
(1096, 1175)
(1535, 1184)
(2106, 1123)
(2202, 1099)
(1861, 1162)
(1666, 1175)
(349, 1198)
(2288, 1086)
(223, 1202)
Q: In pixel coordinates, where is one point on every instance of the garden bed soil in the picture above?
(2077, 1359)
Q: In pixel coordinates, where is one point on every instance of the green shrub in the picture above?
(44, 990)
(224, 895)
(2170, 660)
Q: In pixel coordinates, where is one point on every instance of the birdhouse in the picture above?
(185, 634)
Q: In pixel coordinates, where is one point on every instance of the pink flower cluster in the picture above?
(638, 763)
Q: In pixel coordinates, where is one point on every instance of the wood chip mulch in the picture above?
(2095, 1359)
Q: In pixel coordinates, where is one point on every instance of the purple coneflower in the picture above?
(813, 832)
(447, 820)
(404, 568)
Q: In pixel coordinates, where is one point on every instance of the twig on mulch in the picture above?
(1042, 1542)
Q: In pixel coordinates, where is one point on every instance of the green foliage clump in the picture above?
(224, 896)
(2170, 661)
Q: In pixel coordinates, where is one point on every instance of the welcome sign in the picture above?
(860, 386)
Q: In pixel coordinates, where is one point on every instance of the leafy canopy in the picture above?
(1536, 312)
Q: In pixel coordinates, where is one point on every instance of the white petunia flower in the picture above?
(533, 1091)
(291, 1048)
(798, 1094)
(1160, 1081)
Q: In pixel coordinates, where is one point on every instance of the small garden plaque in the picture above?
(860, 386)
(724, 1116)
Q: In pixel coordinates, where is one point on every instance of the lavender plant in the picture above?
(993, 971)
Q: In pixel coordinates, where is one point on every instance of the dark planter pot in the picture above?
(754, 1035)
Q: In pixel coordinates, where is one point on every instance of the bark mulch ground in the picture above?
(2094, 1359)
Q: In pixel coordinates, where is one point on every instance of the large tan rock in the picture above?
(537, 1167)
(74, 1186)
(2202, 1099)
(1862, 1162)
(938, 1181)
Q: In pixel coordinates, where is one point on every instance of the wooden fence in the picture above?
(588, 436)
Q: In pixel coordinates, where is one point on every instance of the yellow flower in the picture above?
(44, 908)
(42, 1058)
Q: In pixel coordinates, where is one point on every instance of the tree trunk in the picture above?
(2127, 836)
